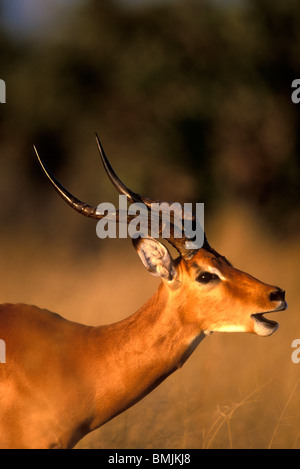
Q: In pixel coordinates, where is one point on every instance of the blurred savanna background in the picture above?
(192, 102)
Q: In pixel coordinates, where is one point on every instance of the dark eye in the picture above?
(206, 277)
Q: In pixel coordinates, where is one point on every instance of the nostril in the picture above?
(277, 295)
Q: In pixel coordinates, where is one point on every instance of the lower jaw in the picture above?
(263, 327)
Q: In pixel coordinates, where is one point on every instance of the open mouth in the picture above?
(263, 326)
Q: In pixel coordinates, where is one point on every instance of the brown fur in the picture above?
(62, 380)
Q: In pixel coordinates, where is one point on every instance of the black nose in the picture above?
(277, 295)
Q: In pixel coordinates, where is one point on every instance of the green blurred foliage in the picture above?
(192, 100)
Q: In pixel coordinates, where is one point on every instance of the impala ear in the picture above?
(155, 257)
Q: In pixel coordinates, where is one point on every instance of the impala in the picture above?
(61, 379)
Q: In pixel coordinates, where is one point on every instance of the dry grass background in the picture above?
(235, 391)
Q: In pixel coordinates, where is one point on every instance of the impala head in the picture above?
(211, 293)
(204, 287)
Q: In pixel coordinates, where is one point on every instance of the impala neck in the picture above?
(139, 353)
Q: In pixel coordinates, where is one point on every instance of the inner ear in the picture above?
(155, 257)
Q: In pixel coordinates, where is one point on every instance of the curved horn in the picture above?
(116, 181)
(80, 207)
(91, 211)
(178, 243)
(119, 185)
(75, 203)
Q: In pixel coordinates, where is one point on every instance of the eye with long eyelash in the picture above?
(207, 277)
